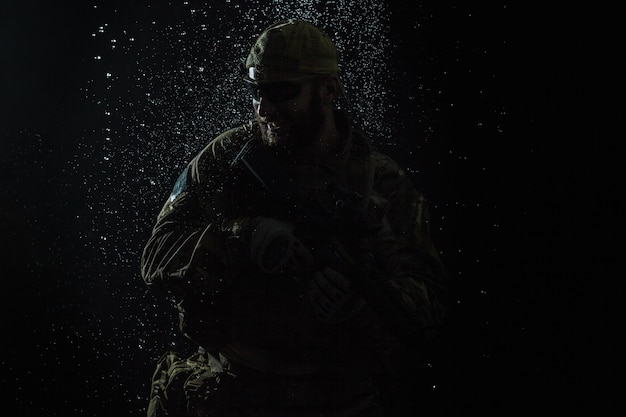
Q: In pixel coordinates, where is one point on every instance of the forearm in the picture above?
(408, 261)
(180, 258)
(167, 263)
(413, 282)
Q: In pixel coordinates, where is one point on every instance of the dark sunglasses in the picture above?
(276, 92)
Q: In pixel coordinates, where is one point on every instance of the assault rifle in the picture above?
(318, 226)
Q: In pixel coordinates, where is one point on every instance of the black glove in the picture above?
(274, 248)
(333, 296)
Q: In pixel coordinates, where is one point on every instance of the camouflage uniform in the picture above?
(288, 362)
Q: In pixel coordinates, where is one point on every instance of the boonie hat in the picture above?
(291, 49)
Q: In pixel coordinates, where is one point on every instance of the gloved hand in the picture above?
(274, 248)
(333, 297)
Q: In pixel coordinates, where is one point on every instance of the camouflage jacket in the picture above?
(198, 253)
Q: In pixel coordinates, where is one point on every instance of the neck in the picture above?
(327, 142)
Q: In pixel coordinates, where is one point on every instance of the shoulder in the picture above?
(387, 177)
(229, 142)
(388, 174)
(218, 154)
(385, 163)
(393, 183)
(383, 166)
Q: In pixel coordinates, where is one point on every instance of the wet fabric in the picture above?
(263, 324)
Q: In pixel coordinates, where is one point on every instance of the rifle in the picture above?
(318, 226)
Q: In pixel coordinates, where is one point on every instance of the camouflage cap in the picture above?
(291, 49)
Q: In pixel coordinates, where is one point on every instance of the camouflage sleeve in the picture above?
(405, 250)
(188, 250)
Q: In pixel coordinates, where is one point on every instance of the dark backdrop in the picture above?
(487, 97)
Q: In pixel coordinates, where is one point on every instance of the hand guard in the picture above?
(333, 297)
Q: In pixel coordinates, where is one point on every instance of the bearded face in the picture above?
(291, 123)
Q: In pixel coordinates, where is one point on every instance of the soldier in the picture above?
(298, 254)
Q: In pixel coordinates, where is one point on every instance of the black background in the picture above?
(514, 220)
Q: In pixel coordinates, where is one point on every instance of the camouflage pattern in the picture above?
(292, 47)
(282, 354)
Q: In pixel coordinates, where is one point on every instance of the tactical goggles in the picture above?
(277, 91)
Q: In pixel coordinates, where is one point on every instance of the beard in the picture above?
(297, 130)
